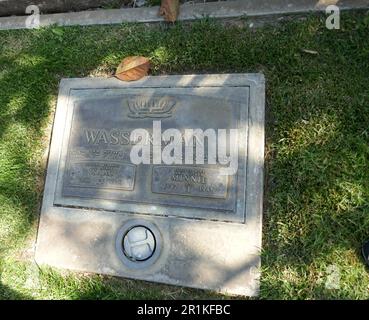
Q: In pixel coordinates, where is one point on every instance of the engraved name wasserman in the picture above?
(172, 146)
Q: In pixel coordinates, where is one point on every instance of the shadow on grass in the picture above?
(8, 294)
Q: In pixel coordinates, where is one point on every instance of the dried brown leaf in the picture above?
(169, 9)
(133, 68)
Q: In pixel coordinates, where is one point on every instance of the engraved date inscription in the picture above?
(189, 181)
(107, 175)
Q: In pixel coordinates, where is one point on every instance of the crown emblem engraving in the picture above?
(151, 107)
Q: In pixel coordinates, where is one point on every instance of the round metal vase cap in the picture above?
(138, 244)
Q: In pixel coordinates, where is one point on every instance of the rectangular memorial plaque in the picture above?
(159, 179)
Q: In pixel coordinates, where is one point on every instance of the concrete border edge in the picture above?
(219, 10)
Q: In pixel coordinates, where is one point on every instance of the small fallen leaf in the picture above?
(310, 51)
(133, 68)
(169, 9)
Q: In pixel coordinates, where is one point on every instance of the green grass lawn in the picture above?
(316, 212)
